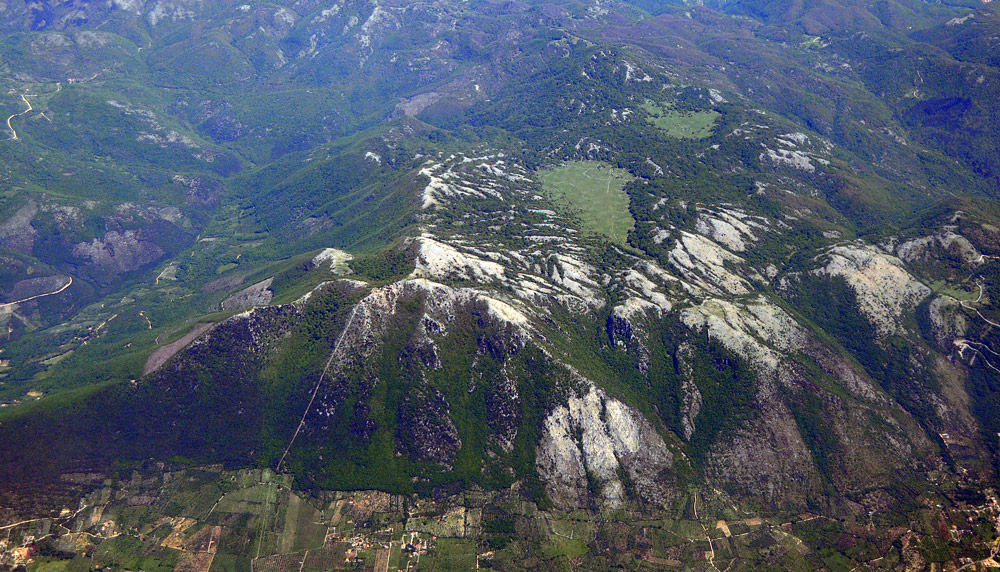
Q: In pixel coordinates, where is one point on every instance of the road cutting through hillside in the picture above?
(8, 305)
(974, 346)
(25, 112)
(976, 301)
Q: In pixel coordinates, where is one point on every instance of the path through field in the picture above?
(577, 185)
(607, 190)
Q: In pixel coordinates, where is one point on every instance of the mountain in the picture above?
(562, 284)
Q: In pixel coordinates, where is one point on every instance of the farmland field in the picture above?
(451, 554)
(594, 192)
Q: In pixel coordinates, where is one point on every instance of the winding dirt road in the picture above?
(25, 112)
(974, 346)
(7, 306)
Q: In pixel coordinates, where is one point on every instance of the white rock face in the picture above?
(369, 320)
(259, 294)
(435, 187)
(946, 318)
(173, 10)
(716, 96)
(440, 261)
(924, 248)
(380, 20)
(703, 262)
(597, 435)
(648, 290)
(328, 13)
(959, 21)
(446, 182)
(635, 307)
(757, 330)
(790, 157)
(119, 252)
(885, 290)
(134, 6)
(690, 407)
(576, 276)
(722, 232)
(794, 139)
(731, 228)
(16, 232)
(765, 336)
(337, 259)
(798, 151)
(548, 265)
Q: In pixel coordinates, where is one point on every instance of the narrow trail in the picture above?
(711, 547)
(59, 519)
(25, 112)
(8, 305)
(607, 190)
(16, 524)
(329, 362)
(977, 347)
(978, 313)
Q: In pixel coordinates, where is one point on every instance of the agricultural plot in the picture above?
(329, 557)
(261, 525)
(250, 500)
(452, 523)
(303, 528)
(594, 192)
(567, 537)
(450, 555)
(680, 124)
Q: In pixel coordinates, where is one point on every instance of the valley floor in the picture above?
(207, 519)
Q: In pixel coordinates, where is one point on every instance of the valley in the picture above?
(256, 519)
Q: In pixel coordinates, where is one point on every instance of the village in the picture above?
(256, 524)
(210, 520)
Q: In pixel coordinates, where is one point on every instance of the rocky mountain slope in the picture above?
(604, 260)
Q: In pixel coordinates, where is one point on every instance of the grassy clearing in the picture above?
(954, 290)
(812, 43)
(51, 566)
(248, 500)
(680, 124)
(593, 191)
(451, 555)
(567, 538)
(303, 529)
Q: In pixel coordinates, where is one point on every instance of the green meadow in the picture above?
(595, 192)
(680, 124)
